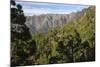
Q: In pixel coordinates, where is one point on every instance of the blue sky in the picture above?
(36, 8)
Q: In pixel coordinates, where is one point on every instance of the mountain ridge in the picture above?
(44, 22)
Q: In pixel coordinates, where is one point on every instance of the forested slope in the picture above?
(74, 42)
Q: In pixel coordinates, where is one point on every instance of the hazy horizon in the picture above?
(36, 8)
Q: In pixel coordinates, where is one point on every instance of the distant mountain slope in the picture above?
(43, 23)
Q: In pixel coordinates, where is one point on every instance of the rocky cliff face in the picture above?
(43, 23)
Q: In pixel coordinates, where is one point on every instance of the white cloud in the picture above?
(38, 11)
(35, 11)
(32, 8)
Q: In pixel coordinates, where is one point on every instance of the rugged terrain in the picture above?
(43, 23)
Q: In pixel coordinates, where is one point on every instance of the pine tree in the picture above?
(22, 45)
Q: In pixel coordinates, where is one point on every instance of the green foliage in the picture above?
(23, 47)
(74, 42)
